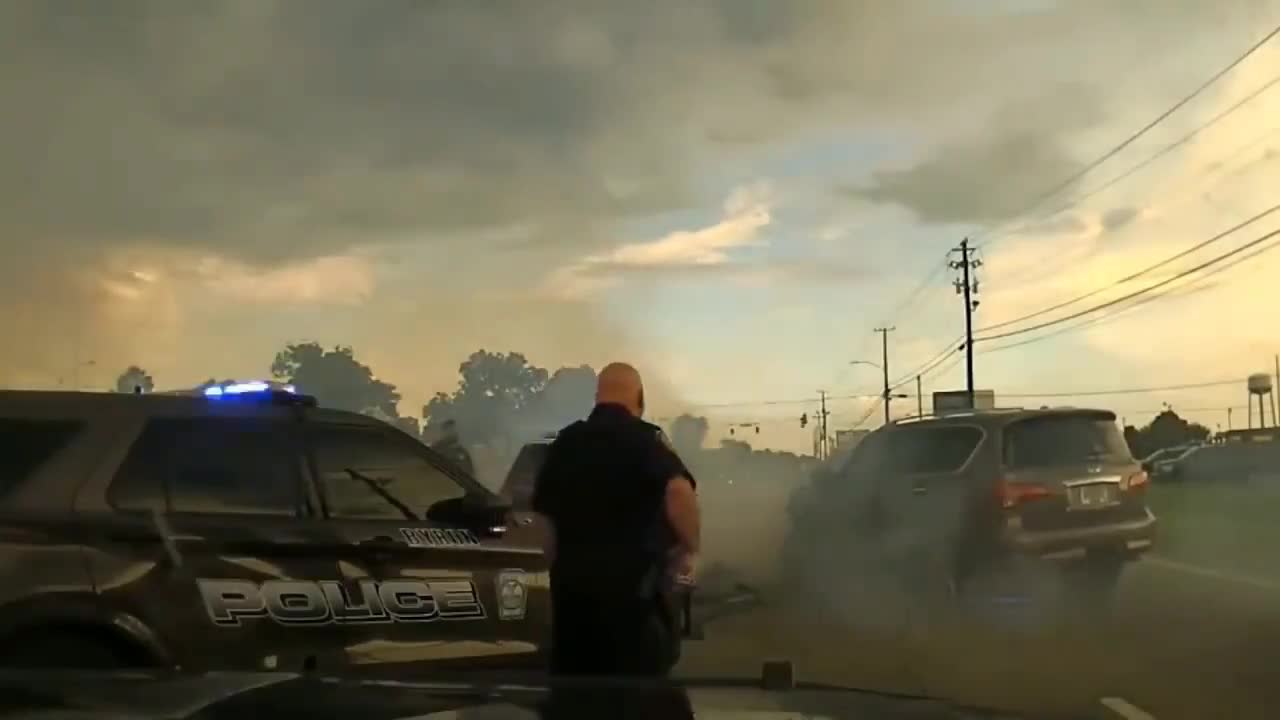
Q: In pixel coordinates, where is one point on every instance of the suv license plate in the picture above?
(1091, 496)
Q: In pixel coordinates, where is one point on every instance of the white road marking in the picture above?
(1211, 573)
(1125, 710)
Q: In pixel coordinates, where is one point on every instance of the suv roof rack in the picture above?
(958, 412)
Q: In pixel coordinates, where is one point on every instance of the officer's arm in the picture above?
(680, 497)
(682, 512)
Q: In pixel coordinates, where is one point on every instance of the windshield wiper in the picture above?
(382, 493)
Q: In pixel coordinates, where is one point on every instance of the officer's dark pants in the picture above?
(596, 634)
(599, 635)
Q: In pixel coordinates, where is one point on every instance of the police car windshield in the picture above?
(377, 488)
(518, 485)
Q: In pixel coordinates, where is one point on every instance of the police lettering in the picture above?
(304, 602)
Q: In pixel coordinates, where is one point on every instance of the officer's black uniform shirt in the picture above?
(603, 485)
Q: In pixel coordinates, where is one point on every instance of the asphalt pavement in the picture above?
(1183, 641)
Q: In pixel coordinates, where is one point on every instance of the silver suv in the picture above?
(950, 498)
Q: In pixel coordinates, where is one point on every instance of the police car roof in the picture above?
(73, 402)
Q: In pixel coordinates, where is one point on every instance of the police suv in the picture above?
(241, 527)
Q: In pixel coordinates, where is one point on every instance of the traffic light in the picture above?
(804, 419)
(757, 429)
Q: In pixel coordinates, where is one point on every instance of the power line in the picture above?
(1136, 293)
(1134, 276)
(1090, 322)
(870, 411)
(767, 403)
(1202, 183)
(1143, 411)
(1128, 391)
(926, 368)
(915, 294)
(878, 399)
(1144, 129)
(1141, 164)
(944, 367)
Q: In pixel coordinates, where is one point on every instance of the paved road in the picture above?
(1184, 642)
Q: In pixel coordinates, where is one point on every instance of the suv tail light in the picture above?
(1013, 494)
(1136, 481)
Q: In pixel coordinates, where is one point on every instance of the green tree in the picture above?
(335, 378)
(132, 378)
(1164, 431)
(493, 390)
(568, 395)
(688, 433)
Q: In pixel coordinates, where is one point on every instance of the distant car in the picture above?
(949, 498)
(1168, 466)
(243, 528)
(517, 488)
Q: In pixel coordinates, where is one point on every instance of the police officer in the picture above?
(621, 518)
(450, 446)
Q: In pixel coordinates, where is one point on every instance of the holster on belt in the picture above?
(665, 599)
(672, 600)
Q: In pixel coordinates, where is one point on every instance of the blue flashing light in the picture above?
(246, 388)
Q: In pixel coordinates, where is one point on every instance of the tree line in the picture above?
(499, 396)
(1165, 430)
(503, 396)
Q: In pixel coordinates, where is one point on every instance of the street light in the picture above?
(864, 362)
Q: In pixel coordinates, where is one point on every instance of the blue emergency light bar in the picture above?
(247, 388)
(258, 391)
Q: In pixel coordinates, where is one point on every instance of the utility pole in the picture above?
(822, 425)
(967, 285)
(884, 365)
(919, 398)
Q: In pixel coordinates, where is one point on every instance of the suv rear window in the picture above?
(918, 450)
(1053, 440)
(25, 445)
(519, 483)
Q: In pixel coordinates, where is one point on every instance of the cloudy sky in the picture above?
(731, 193)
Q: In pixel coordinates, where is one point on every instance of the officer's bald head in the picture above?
(620, 384)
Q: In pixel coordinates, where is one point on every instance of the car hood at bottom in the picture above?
(47, 695)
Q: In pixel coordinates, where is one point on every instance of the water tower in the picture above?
(1260, 387)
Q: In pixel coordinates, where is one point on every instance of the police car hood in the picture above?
(132, 696)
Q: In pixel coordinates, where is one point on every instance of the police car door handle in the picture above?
(919, 490)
